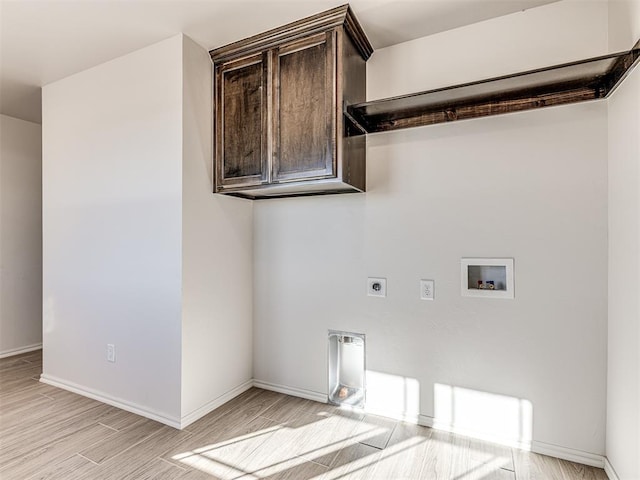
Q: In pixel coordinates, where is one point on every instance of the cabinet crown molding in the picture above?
(321, 22)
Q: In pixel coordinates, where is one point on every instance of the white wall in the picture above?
(623, 389)
(138, 252)
(624, 24)
(20, 235)
(552, 34)
(217, 259)
(531, 186)
(112, 229)
(623, 400)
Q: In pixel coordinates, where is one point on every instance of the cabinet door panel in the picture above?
(305, 110)
(241, 139)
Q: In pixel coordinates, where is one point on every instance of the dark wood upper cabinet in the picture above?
(280, 97)
(304, 111)
(241, 140)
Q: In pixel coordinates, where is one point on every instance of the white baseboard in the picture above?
(609, 470)
(215, 403)
(431, 422)
(109, 400)
(294, 392)
(564, 453)
(17, 351)
(322, 398)
(578, 456)
(395, 415)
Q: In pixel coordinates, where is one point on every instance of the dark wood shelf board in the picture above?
(558, 85)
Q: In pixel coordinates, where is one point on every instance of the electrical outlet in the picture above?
(426, 289)
(377, 287)
(111, 353)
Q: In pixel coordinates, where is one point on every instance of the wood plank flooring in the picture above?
(48, 433)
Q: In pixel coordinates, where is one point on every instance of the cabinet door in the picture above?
(304, 111)
(241, 156)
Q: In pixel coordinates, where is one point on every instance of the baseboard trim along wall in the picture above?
(215, 403)
(578, 456)
(557, 451)
(114, 402)
(294, 392)
(431, 422)
(609, 470)
(401, 416)
(564, 453)
(20, 350)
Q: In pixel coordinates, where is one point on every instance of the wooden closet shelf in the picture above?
(561, 84)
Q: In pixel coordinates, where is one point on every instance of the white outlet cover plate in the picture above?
(427, 289)
(376, 287)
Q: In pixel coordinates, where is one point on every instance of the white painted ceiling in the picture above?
(42, 41)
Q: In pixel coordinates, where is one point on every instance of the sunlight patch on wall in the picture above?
(488, 416)
(392, 396)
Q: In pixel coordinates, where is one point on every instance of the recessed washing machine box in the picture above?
(346, 368)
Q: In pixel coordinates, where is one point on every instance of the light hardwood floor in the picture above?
(50, 433)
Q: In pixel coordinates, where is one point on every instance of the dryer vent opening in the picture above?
(346, 368)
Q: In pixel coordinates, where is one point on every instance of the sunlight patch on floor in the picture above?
(386, 455)
(241, 438)
(280, 448)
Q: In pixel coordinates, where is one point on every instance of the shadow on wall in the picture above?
(488, 416)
